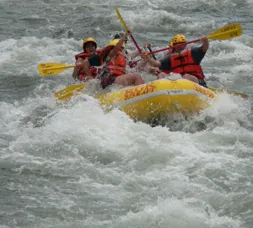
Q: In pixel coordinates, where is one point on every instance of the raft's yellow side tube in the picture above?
(159, 98)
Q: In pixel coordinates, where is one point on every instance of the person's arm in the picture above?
(198, 53)
(205, 44)
(117, 47)
(147, 58)
(94, 60)
(140, 65)
(133, 54)
(86, 67)
(78, 67)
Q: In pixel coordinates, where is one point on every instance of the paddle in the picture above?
(125, 26)
(47, 69)
(226, 32)
(153, 55)
(223, 33)
(68, 92)
(243, 95)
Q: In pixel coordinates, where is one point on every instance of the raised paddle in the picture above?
(223, 33)
(126, 27)
(48, 69)
(226, 32)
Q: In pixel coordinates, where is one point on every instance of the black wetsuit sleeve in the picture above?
(94, 60)
(197, 54)
(165, 63)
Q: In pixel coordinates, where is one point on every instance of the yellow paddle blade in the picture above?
(120, 18)
(47, 69)
(226, 32)
(243, 95)
(227, 28)
(68, 92)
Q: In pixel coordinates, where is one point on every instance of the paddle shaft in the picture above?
(149, 48)
(61, 67)
(178, 45)
(226, 32)
(134, 41)
(243, 95)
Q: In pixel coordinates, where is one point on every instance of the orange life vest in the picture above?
(117, 66)
(83, 55)
(94, 71)
(183, 63)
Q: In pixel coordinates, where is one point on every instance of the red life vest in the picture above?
(183, 63)
(83, 55)
(117, 66)
(94, 71)
(86, 55)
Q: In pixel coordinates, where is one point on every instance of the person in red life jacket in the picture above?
(156, 71)
(89, 49)
(184, 60)
(114, 61)
(129, 54)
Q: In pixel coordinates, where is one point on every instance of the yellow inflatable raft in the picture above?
(151, 100)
